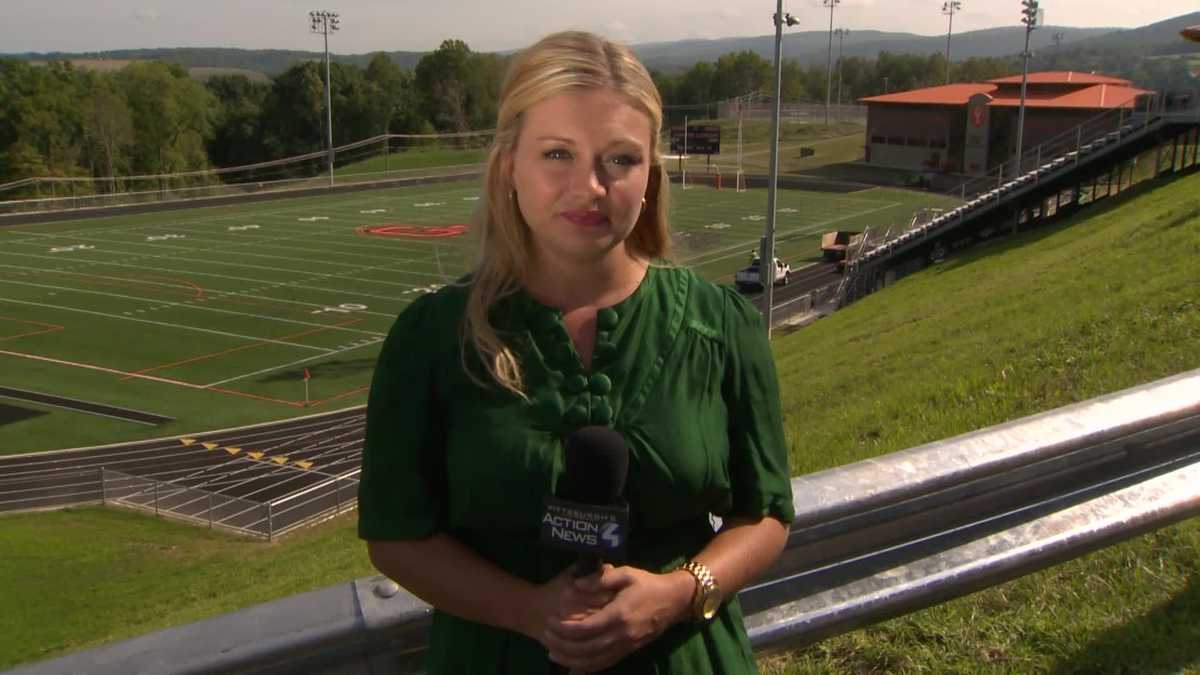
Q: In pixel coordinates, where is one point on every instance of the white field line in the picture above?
(807, 229)
(169, 325)
(188, 249)
(88, 366)
(183, 257)
(308, 205)
(294, 363)
(264, 283)
(188, 305)
(271, 242)
(207, 291)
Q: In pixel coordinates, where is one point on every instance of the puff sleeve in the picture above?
(401, 493)
(758, 461)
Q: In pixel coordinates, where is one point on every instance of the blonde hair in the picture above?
(555, 64)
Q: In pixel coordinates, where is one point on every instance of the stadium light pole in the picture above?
(766, 266)
(831, 4)
(1031, 16)
(841, 34)
(325, 23)
(949, 8)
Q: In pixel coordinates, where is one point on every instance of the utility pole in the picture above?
(324, 22)
(949, 8)
(831, 4)
(766, 265)
(841, 34)
(1032, 17)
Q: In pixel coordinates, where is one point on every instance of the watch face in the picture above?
(710, 606)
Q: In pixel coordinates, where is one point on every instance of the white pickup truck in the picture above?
(750, 278)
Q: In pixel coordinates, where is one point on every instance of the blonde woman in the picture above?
(572, 317)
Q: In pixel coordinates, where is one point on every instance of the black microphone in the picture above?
(587, 514)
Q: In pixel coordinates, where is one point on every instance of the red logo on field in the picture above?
(412, 231)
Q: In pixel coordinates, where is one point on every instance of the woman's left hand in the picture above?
(643, 605)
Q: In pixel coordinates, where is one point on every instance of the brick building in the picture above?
(971, 127)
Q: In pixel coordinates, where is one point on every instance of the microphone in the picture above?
(587, 514)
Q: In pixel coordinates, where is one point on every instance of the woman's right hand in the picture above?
(557, 600)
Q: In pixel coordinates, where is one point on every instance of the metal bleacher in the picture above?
(1012, 183)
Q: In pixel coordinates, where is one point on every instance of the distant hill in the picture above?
(671, 57)
(812, 46)
(1156, 38)
(268, 62)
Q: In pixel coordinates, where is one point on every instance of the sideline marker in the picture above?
(211, 446)
(279, 459)
(187, 441)
(303, 463)
(255, 455)
(233, 451)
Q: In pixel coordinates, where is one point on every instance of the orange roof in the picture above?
(947, 94)
(1098, 97)
(1062, 77)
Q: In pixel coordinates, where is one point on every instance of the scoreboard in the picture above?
(702, 139)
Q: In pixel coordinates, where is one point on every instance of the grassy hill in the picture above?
(1099, 302)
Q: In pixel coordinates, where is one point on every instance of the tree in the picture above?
(739, 74)
(109, 128)
(442, 77)
(172, 113)
(237, 137)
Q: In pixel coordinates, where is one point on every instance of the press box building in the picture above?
(971, 127)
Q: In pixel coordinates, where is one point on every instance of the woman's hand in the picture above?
(558, 600)
(640, 606)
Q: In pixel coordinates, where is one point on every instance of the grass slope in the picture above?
(1101, 302)
(1104, 301)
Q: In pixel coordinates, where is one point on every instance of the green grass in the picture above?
(1042, 320)
(1104, 301)
(80, 577)
(226, 306)
(834, 144)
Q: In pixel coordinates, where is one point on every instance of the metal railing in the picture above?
(262, 519)
(870, 540)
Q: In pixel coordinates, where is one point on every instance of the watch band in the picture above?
(707, 596)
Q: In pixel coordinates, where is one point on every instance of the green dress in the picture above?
(681, 368)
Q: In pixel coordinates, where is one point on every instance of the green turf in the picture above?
(226, 306)
(1050, 317)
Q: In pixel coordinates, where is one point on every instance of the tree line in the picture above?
(150, 117)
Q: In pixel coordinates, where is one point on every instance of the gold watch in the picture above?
(707, 597)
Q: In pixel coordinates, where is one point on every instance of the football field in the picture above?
(215, 316)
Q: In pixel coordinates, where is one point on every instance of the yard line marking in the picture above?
(807, 229)
(184, 305)
(200, 291)
(293, 363)
(203, 357)
(187, 254)
(264, 283)
(167, 325)
(88, 366)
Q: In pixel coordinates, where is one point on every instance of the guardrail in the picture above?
(870, 540)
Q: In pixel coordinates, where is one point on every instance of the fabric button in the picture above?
(606, 319)
(600, 384)
(602, 412)
(577, 415)
(576, 384)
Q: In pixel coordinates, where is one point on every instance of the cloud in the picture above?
(146, 14)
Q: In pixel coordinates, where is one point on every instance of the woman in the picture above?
(571, 319)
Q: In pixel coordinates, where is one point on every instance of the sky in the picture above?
(497, 25)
